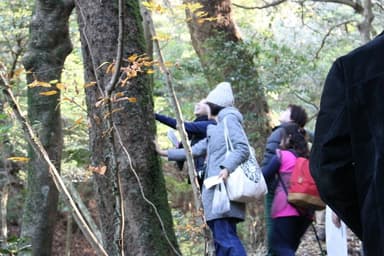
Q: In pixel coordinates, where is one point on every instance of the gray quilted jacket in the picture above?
(215, 148)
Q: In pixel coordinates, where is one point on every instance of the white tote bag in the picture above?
(220, 202)
(247, 182)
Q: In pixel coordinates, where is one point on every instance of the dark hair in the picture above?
(294, 138)
(214, 108)
(298, 115)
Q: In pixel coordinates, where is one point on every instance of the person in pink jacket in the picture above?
(289, 223)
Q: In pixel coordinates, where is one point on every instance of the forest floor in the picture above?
(310, 247)
(80, 247)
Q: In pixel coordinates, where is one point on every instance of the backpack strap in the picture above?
(302, 212)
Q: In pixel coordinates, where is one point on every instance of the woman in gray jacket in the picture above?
(223, 226)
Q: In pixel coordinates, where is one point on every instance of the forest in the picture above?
(81, 81)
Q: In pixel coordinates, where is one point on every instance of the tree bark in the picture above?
(134, 124)
(48, 47)
(225, 57)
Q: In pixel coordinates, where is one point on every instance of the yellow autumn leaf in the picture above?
(148, 63)
(159, 9)
(67, 99)
(119, 94)
(145, 58)
(18, 72)
(54, 81)
(200, 21)
(132, 99)
(110, 68)
(49, 93)
(191, 6)
(79, 121)
(132, 58)
(200, 14)
(161, 37)
(89, 84)
(146, 4)
(132, 73)
(98, 169)
(60, 86)
(150, 71)
(19, 159)
(153, 7)
(210, 19)
(168, 64)
(37, 83)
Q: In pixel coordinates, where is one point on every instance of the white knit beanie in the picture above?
(222, 95)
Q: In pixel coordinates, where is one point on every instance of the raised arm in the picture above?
(198, 127)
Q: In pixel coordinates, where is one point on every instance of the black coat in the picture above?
(347, 158)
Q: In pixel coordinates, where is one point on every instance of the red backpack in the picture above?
(302, 189)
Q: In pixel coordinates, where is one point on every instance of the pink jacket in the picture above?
(280, 205)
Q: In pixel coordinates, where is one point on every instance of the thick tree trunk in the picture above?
(48, 47)
(135, 124)
(225, 57)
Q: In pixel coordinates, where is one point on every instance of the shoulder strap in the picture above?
(228, 143)
(279, 176)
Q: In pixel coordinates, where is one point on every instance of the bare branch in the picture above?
(84, 210)
(328, 34)
(176, 105)
(16, 59)
(308, 102)
(355, 5)
(379, 5)
(260, 7)
(120, 40)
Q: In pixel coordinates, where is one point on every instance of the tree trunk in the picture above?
(5, 151)
(134, 123)
(365, 27)
(48, 47)
(225, 57)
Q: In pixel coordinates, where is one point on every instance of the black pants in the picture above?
(286, 234)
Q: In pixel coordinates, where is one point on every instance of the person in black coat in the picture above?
(347, 158)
